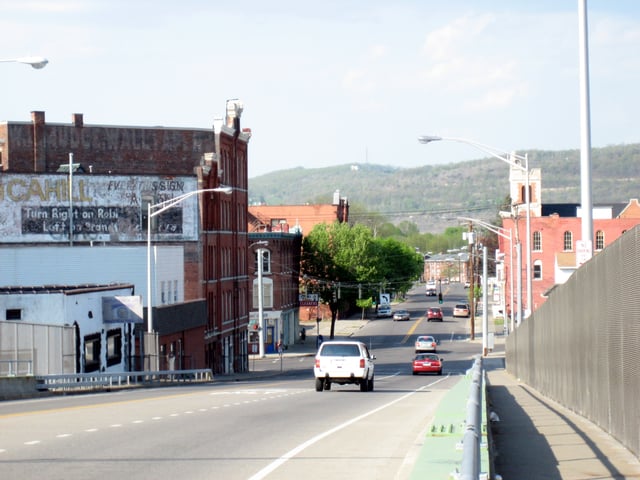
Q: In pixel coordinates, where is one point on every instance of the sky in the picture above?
(334, 82)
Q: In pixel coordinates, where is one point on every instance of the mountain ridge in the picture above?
(433, 195)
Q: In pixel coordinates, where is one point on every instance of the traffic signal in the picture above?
(440, 297)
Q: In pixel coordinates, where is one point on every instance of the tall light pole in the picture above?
(503, 233)
(35, 62)
(515, 161)
(585, 133)
(260, 259)
(157, 209)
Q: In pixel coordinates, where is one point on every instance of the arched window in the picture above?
(537, 241)
(568, 241)
(599, 240)
(523, 193)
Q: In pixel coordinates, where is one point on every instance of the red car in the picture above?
(427, 363)
(435, 314)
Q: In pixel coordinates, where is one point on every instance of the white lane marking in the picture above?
(63, 435)
(2, 450)
(292, 453)
(32, 442)
(116, 425)
(138, 421)
(156, 418)
(91, 430)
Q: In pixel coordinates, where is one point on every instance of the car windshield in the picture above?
(426, 356)
(425, 339)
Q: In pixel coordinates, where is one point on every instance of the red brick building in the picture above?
(299, 218)
(555, 231)
(265, 223)
(209, 328)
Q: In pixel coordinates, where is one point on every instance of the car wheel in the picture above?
(370, 386)
(364, 385)
(440, 372)
(415, 373)
(319, 384)
(327, 385)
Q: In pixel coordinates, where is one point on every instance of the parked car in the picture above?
(384, 311)
(427, 363)
(461, 310)
(344, 362)
(426, 343)
(435, 314)
(467, 284)
(400, 315)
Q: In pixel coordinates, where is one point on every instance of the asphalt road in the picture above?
(274, 428)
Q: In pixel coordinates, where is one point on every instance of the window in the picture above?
(537, 241)
(162, 293)
(537, 270)
(13, 314)
(92, 353)
(266, 260)
(114, 347)
(175, 291)
(568, 241)
(599, 240)
(267, 293)
(523, 193)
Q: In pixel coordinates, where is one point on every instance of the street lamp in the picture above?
(157, 209)
(515, 161)
(260, 259)
(35, 62)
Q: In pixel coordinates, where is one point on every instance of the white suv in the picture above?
(341, 362)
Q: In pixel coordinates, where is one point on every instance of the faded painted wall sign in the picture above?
(37, 208)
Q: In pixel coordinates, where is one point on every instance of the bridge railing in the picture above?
(102, 380)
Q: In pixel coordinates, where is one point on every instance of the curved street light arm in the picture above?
(35, 62)
(172, 202)
(493, 228)
(494, 152)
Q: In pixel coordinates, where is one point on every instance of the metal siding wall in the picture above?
(39, 343)
(582, 346)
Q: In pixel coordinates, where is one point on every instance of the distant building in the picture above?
(102, 317)
(283, 226)
(199, 296)
(555, 231)
(298, 218)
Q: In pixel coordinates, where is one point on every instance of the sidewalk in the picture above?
(537, 438)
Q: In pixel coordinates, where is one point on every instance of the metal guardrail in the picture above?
(14, 368)
(96, 381)
(472, 438)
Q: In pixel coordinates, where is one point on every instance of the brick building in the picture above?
(202, 315)
(293, 222)
(301, 218)
(555, 231)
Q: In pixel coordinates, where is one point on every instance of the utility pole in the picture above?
(472, 293)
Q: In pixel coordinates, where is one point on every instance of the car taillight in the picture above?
(362, 363)
(317, 363)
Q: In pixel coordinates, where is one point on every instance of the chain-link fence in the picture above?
(581, 348)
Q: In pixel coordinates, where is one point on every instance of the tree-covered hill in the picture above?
(433, 196)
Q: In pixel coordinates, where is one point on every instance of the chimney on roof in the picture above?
(234, 112)
(77, 120)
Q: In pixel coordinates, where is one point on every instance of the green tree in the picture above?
(340, 262)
